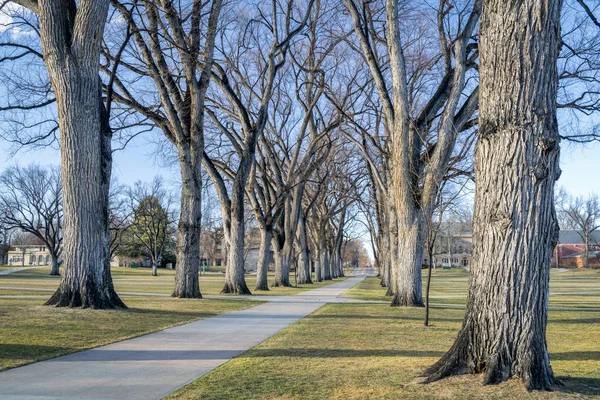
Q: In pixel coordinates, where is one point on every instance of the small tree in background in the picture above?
(152, 219)
(32, 202)
(582, 214)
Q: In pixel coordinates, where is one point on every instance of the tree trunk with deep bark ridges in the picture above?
(187, 285)
(407, 290)
(303, 259)
(262, 265)
(235, 280)
(515, 226)
(85, 153)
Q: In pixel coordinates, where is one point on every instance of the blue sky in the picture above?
(578, 162)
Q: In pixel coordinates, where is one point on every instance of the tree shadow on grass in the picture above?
(582, 386)
(30, 351)
(576, 356)
(384, 317)
(340, 353)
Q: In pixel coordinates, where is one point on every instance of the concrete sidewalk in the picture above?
(17, 269)
(155, 365)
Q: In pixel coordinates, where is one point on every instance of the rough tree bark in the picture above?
(515, 226)
(303, 259)
(71, 35)
(262, 266)
(235, 281)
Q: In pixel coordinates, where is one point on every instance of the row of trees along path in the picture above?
(369, 127)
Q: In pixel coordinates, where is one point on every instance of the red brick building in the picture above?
(570, 251)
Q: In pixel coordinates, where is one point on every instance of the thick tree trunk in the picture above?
(54, 270)
(73, 68)
(282, 269)
(262, 266)
(303, 259)
(325, 265)
(235, 279)
(318, 269)
(187, 285)
(304, 268)
(85, 251)
(408, 288)
(515, 227)
(393, 254)
(282, 256)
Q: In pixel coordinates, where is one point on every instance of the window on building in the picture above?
(444, 260)
(465, 262)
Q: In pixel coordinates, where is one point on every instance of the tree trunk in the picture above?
(262, 266)
(430, 252)
(408, 289)
(73, 66)
(515, 226)
(235, 279)
(586, 253)
(187, 285)
(54, 270)
(282, 263)
(303, 267)
(325, 265)
(282, 269)
(318, 269)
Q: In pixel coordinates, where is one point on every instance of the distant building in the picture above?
(212, 253)
(28, 255)
(453, 246)
(570, 250)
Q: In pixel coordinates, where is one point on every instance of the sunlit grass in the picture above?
(360, 351)
(140, 280)
(573, 288)
(31, 332)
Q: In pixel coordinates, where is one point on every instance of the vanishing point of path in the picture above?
(155, 365)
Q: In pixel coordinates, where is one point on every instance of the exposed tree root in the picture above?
(281, 284)
(238, 288)
(534, 370)
(106, 299)
(185, 294)
(262, 285)
(406, 301)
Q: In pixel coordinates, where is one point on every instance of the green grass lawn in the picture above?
(342, 351)
(31, 332)
(372, 351)
(140, 280)
(450, 287)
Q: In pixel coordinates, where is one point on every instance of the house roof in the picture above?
(569, 236)
(591, 255)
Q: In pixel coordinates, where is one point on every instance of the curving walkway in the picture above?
(155, 365)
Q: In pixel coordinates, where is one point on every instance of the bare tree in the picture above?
(172, 49)
(583, 215)
(240, 112)
(413, 187)
(32, 202)
(515, 227)
(152, 218)
(71, 34)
